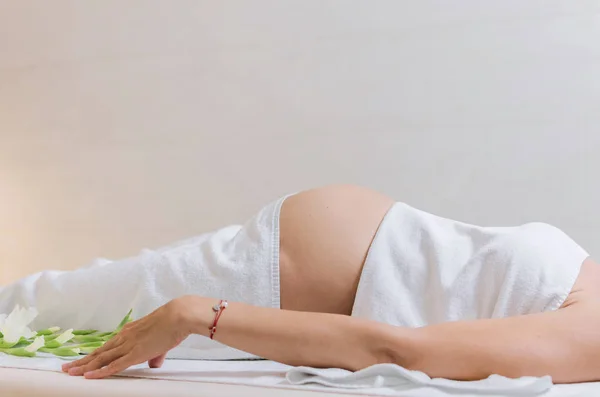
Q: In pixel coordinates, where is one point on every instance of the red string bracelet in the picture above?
(218, 309)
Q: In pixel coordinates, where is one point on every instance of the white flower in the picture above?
(36, 345)
(65, 336)
(15, 325)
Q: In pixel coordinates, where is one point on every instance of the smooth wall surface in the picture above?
(130, 124)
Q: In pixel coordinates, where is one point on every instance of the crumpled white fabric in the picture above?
(395, 376)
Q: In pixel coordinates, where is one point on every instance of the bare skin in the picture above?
(325, 234)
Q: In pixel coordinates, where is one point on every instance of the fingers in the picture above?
(113, 368)
(139, 341)
(113, 343)
(82, 361)
(98, 362)
(157, 362)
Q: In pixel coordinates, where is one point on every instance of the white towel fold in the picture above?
(395, 377)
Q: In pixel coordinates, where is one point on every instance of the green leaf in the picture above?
(20, 352)
(87, 338)
(51, 337)
(84, 331)
(27, 351)
(52, 344)
(126, 319)
(87, 350)
(22, 342)
(102, 334)
(7, 345)
(89, 344)
(48, 331)
(62, 351)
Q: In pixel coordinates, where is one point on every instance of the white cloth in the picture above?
(384, 379)
(239, 263)
(390, 376)
(422, 269)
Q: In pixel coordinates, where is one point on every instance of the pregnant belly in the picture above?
(325, 235)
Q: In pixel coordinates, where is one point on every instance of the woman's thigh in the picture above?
(325, 236)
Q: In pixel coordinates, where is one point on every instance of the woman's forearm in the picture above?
(298, 338)
(561, 343)
(532, 345)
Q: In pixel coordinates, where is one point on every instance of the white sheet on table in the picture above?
(270, 374)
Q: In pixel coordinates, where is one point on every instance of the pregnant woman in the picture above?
(342, 277)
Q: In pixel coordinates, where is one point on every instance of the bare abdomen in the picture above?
(325, 234)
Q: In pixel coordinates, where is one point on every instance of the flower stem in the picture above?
(84, 331)
(62, 351)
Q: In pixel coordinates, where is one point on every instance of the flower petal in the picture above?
(36, 345)
(27, 333)
(15, 325)
(65, 336)
(11, 336)
(29, 315)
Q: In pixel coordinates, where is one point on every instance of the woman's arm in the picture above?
(289, 337)
(564, 343)
(300, 338)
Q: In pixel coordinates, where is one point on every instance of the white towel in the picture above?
(239, 263)
(396, 377)
(422, 269)
(383, 380)
(390, 376)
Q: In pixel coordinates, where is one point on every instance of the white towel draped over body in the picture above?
(421, 269)
(239, 263)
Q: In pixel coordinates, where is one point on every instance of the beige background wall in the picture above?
(126, 124)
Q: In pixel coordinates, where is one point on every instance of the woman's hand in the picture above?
(147, 339)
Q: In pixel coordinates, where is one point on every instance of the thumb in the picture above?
(157, 362)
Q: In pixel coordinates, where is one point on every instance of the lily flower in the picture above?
(37, 344)
(60, 340)
(15, 326)
(27, 351)
(65, 336)
(16, 338)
